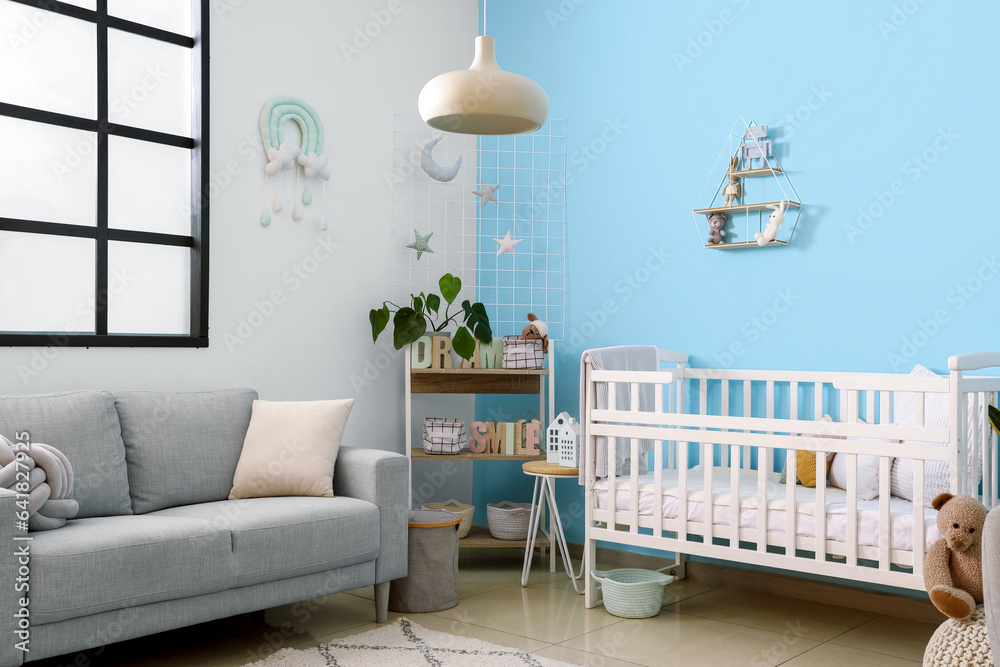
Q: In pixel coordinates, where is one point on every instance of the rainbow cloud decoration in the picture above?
(283, 159)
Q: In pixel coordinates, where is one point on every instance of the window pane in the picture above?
(50, 173)
(154, 198)
(172, 15)
(149, 289)
(149, 83)
(49, 61)
(46, 283)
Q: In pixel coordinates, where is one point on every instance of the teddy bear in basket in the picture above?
(953, 569)
(537, 330)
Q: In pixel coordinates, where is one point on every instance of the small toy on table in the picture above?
(953, 569)
(537, 330)
(716, 221)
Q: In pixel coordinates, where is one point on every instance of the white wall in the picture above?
(319, 336)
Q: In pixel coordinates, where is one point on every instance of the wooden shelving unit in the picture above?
(479, 381)
(744, 244)
(763, 206)
(479, 538)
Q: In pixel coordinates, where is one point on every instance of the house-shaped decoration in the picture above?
(562, 441)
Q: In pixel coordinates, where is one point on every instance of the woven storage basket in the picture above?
(507, 520)
(520, 353)
(443, 435)
(455, 507)
(632, 592)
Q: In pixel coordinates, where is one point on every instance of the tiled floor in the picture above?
(699, 625)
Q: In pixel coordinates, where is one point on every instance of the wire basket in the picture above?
(455, 507)
(507, 520)
(632, 592)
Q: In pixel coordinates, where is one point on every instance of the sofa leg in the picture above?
(382, 602)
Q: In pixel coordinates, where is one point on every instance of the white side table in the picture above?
(545, 475)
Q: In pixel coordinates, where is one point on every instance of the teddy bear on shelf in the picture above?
(953, 569)
(716, 222)
(537, 330)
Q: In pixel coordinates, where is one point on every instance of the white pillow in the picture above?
(937, 414)
(290, 449)
(868, 470)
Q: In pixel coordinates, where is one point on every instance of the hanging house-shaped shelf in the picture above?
(753, 193)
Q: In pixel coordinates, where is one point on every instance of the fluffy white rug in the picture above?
(406, 643)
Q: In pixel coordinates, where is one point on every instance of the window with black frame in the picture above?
(104, 173)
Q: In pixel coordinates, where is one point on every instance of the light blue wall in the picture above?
(854, 103)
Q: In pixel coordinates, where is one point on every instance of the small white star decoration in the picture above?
(506, 244)
(486, 193)
(421, 244)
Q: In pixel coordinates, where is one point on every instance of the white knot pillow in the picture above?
(50, 482)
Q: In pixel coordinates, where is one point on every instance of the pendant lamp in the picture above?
(483, 99)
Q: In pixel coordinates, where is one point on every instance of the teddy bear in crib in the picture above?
(537, 330)
(953, 569)
(715, 231)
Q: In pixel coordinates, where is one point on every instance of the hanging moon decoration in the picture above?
(433, 169)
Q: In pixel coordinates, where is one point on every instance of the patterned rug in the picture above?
(406, 643)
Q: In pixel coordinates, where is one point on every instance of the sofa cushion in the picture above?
(275, 538)
(182, 448)
(94, 565)
(83, 425)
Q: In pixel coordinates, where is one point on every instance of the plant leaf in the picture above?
(478, 321)
(433, 302)
(408, 326)
(418, 304)
(379, 319)
(463, 343)
(450, 287)
(995, 418)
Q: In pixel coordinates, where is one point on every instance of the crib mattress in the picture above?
(900, 510)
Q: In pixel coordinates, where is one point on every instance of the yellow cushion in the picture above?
(805, 467)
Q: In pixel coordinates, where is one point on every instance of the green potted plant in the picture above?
(411, 322)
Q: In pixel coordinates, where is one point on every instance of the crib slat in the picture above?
(727, 453)
(612, 396)
(820, 515)
(658, 488)
(634, 396)
(791, 513)
(612, 475)
(634, 484)
(734, 498)
(885, 403)
(708, 506)
(884, 525)
(844, 408)
(918, 517)
(870, 406)
(852, 504)
(763, 459)
(817, 400)
(658, 398)
(918, 408)
(793, 400)
(975, 443)
(852, 407)
(747, 412)
(682, 486)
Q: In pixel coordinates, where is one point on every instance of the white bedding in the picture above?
(900, 510)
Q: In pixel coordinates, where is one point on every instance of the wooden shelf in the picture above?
(746, 207)
(418, 454)
(744, 244)
(759, 171)
(479, 538)
(476, 380)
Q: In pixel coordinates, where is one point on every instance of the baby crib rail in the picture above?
(719, 429)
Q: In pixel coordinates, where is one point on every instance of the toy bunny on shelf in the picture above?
(773, 225)
(732, 190)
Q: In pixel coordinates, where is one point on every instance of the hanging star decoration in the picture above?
(486, 193)
(506, 244)
(420, 245)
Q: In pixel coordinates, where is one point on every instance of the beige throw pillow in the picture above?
(290, 449)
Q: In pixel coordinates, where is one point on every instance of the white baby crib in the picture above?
(735, 421)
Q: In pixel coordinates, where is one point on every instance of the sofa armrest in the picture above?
(10, 655)
(382, 478)
(991, 578)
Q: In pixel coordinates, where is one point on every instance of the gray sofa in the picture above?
(156, 544)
